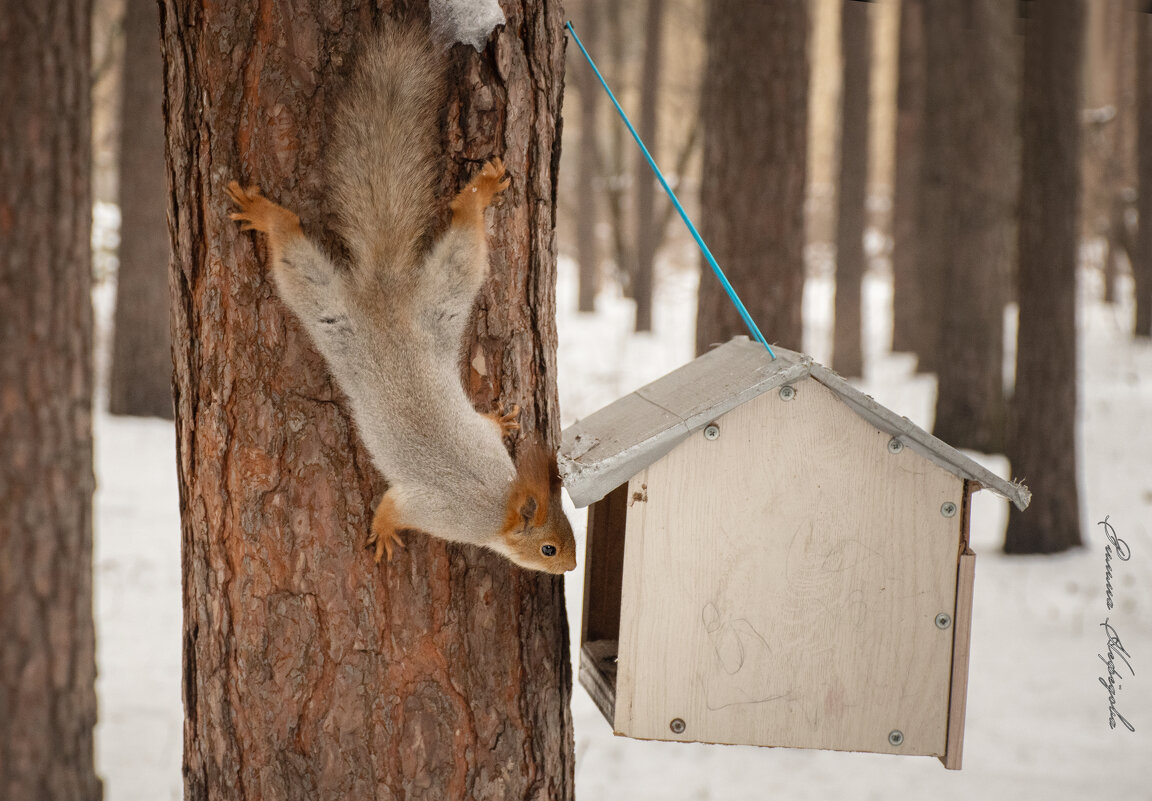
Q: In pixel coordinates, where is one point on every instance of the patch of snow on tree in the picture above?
(467, 21)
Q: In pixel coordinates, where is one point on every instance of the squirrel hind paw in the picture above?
(499, 178)
(505, 419)
(384, 544)
(385, 524)
(470, 202)
(494, 175)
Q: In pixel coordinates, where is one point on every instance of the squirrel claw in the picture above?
(242, 195)
(258, 213)
(242, 218)
(508, 420)
(384, 524)
(505, 420)
(494, 173)
(470, 202)
(385, 544)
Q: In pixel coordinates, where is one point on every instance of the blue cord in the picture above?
(676, 202)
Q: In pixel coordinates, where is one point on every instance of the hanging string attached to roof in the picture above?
(744, 315)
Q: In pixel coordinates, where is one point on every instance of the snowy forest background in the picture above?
(909, 183)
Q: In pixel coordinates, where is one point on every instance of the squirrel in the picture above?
(390, 322)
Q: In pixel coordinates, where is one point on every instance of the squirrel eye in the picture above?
(548, 550)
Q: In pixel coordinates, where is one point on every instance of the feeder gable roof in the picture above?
(607, 448)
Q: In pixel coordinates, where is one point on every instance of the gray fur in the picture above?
(390, 326)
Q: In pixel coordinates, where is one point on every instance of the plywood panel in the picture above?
(962, 638)
(604, 567)
(598, 674)
(781, 585)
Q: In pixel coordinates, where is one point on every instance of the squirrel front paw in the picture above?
(258, 213)
(469, 204)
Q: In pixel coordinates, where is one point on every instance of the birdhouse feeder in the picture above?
(774, 559)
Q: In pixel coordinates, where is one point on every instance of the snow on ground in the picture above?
(137, 597)
(1037, 722)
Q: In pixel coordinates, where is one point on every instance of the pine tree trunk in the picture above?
(907, 336)
(47, 646)
(1043, 436)
(310, 672)
(935, 220)
(617, 186)
(975, 261)
(755, 110)
(588, 93)
(647, 235)
(1142, 263)
(1118, 49)
(852, 192)
(141, 375)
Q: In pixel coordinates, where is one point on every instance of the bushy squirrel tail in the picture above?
(385, 154)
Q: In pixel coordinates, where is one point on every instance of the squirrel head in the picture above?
(536, 533)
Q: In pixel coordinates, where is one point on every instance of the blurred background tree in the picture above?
(908, 322)
(587, 195)
(1142, 263)
(47, 656)
(852, 190)
(647, 235)
(755, 114)
(141, 371)
(1042, 444)
(969, 243)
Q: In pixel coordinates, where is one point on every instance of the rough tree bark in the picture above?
(906, 297)
(1142, 263)
(141, 376)
(47, 647)
(973, 256)
(647, 234)
(310, 672)
(588, 93)
(852, 190)
(1042, 443)
(755, 110)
